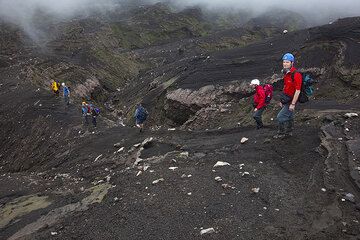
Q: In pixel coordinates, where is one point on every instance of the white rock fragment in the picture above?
(227, 186)
(207, 231)
(351, 115)
(323, 189)
(120, 150)
(171, 129)
(157, 181)
(138, 173)
(347, 129)
(255, 190)
(245, 174)
(173, 168)
(184, 154)
(98, 157)
(244, 140)
(54, 233)
(221, 164)
(189, 193)
(218, 179)
(108, 178)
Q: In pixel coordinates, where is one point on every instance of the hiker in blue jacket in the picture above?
(141, 115)
(66, 91)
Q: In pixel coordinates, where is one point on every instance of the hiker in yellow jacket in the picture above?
(55, 87)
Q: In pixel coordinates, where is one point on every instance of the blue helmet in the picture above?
(289, 57)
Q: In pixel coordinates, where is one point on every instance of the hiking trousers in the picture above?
(285, 119)
(258, 117)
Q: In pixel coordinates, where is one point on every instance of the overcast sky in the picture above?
(21, 11)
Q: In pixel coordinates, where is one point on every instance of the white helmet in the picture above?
(63, 84)
(255, 82)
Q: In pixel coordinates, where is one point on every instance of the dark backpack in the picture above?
(307, 89)
(96, 111)
(142, 114)
(269, 89)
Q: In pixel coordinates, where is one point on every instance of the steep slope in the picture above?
(62, 180)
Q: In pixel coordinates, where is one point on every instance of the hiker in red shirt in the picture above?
(289, 96)
(259, 102)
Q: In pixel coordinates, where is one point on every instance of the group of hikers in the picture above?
(88, 110)
(55, 87)
(297, 88)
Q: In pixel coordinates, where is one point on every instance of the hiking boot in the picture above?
(281, 132)
(289, 128)
(259, 127)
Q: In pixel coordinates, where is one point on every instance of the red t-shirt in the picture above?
(291, 86)
(259, 97)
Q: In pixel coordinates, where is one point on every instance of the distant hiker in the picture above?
(141, 115)
(95, 112)
(55, 87)
(289, 97)
(85, 112)
(262, 98)
(66, 92)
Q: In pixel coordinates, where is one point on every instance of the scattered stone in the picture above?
(244, 140)
(171, 129)
(116, 199)
(276, 209)
(138, 174)
(184, 154)
(351, 115)
(108, 178)
(245, 173)
(350, 197)
(227, 186)
(173, 168)
(157, 181)
(189, 176)
(255, 190)
(98, 157)
(207, 231)
(323, 189)
(54, 233)
(267, 140)
(117, 145)
(285, 31)
(218, 179)
(221, 164)
(137, 145)
(145, 167)
(346, 129)
(183, 176)
(120, 150)
(189, 193)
